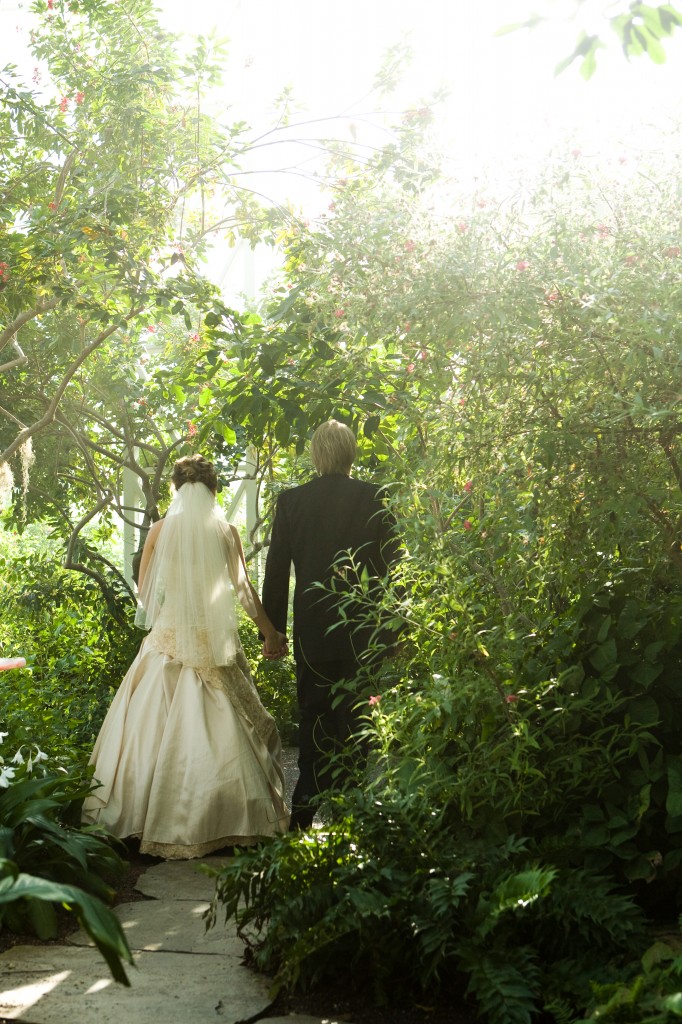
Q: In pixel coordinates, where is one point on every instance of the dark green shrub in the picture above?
(275, 682)
(394, 900)
(47, 861)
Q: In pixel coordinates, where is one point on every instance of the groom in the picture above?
(314, 524)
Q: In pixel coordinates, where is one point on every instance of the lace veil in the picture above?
(189, 587)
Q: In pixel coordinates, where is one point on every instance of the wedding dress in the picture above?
(187, 757)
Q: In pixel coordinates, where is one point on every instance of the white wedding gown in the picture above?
(188, 758)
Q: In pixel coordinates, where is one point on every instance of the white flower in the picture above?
(5, 775)
(40, 756)
(2, 736)
(18, 757)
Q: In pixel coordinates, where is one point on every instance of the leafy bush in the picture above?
(77, 649)
(394, 899)
(275, 682)
(47, 861)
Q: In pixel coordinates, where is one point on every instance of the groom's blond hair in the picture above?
(332, 448)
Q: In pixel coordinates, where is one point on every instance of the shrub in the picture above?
(47, 861)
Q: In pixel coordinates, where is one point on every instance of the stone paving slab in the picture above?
(295, 1018)
(72, 985)
(171, 926)
(180, 880)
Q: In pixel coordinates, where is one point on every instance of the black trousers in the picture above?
(326, 752)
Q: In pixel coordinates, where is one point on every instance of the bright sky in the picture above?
(504, 105)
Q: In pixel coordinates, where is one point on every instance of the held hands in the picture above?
(275, 646)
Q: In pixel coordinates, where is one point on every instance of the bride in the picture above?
(188, 758)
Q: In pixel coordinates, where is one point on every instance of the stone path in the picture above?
(182, 974)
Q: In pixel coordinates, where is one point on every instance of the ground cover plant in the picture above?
(47, 862)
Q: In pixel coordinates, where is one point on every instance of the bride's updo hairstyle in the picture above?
(194, 469)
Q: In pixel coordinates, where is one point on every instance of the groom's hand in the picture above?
(275, 646)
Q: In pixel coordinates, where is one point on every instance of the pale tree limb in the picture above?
(21, 359)
(7, 335)
(49, 414)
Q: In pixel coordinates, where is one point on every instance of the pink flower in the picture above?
(511, 698)
(522, 265)
(552, 296)
(672, 251)
(575, 153)
(462, 402)
(194, 337)
(50, 5)
(4, 271)
(36, 75)
(192, 428)
(409, 246)
(151, 328)
(338, 313)
(373, 701)
(80, 96)
(63, 104)
(467, 524)
(410, 367)
(469, 486)
(463, 227)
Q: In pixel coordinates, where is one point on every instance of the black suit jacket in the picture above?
(313, 525)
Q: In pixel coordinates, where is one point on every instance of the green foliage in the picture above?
(47, 862)
(653, 995)
(640, 29)
(77, 648)
(514, 374)
(275, 682)
(410, 905)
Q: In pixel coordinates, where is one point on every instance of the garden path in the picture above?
(182, 974)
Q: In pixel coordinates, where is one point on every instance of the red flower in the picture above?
(552, 296)
(462, 402)
(338, 313)
(80, 96)
(63, 104)
(467, 524)
(469, 486)
(50, 5)
(511, 698)
(192, 428)
(373, 701)
(4, 271)
(151, 328)
(52, 206)
(522, 265)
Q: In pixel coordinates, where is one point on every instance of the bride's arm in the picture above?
(148, 551)
(275, 643)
